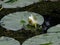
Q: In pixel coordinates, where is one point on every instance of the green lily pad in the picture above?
(10, 1)
(1, 2)
(54, 29)
(44, 39)
(8, 41)
(18, 3)
(15, 21)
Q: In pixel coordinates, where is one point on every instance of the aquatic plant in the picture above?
(3, 1)
(32, 20)
(44, 39)
(10, 1)
(54, 29)
(17, 3)
(8, 41)
(18, 20)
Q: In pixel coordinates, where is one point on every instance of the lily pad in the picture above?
(18, 3)
(15, 21)
(2, 1)
(8, 41)
(44, 39)
(10, 1)
(54, 29)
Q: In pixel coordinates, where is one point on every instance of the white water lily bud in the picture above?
(32, 20)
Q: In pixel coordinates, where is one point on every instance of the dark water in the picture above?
(50, 22)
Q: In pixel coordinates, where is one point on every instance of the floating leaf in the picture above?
(17, 3)
(10, 1)
(8, 41)
(54, 29)
(44, 39)
(3, 1)
(15, 21)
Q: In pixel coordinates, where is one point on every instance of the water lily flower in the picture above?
(32, 20)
